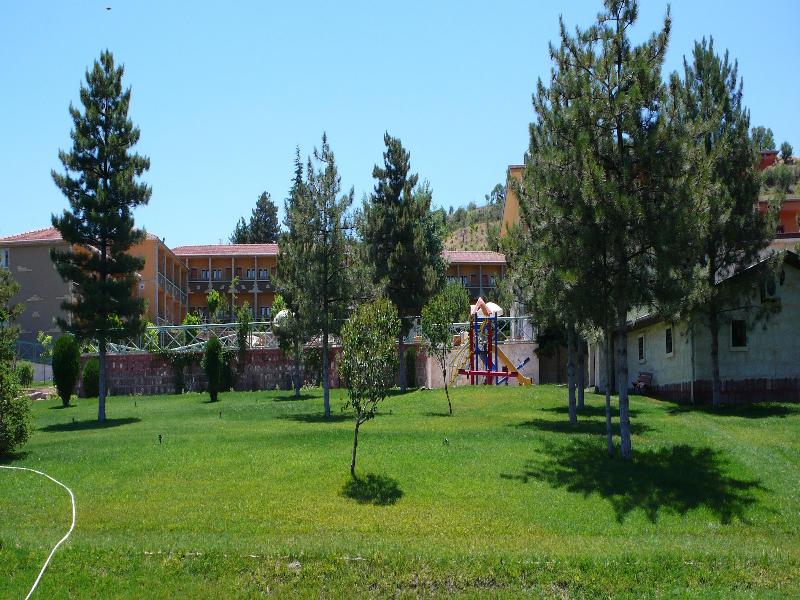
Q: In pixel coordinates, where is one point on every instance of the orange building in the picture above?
(787, 235)
(215, 266)
(162, 281)
(478, 271)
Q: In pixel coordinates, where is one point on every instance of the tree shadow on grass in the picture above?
(746, 411)
(91, 424)
(373, 489)
(62, 407)
(592, 427)
(293, 398)
(317, 417)
(676, 479)
(13, 457)
(591, 410)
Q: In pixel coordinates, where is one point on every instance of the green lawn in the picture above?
(250, 497)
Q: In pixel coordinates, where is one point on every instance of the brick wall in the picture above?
(150, 374)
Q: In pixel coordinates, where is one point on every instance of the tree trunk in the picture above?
(326, 392)
(355, 448)
(609, 379)
(297, 384)
(401, 352)
(713, 327)
(624, 413)
(447, 392)
(101, 388)
(573, 415)
(581, 383)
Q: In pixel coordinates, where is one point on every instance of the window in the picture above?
(4, 258)
(464, 280)
(251, 274)
(239, 272)
(473, 278)
(668, 341)
(641, 348)
(194, 273)
(492, 280)
(738, 334)
(204, 274)
(217, 274)
(265, 312)
(262, 273)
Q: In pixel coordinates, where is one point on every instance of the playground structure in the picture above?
(486, 359)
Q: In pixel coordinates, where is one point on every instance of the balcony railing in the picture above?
(245, 285)
(170, 286)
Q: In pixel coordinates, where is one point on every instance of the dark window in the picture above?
(738, 333)
(239, 272)
(194, 273)
(668, 340)
(641, 347)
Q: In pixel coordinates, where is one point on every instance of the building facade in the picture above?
(253, 266)
(27, 256)
(759, 358)
(478, 271)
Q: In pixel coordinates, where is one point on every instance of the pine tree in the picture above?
(241, 233)
(402, 240)
(290, 281)
(315, 277)
(729, 234)
(102, 185)
(623, 228)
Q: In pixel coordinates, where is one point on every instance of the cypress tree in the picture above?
(403, 243)
(101, 182)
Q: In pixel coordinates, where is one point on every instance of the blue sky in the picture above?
(223, 92)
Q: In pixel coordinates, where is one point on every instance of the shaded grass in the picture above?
(226, 506)
(373, 489)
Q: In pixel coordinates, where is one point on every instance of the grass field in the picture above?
(250, 497)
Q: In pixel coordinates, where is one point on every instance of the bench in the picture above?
(643, 382)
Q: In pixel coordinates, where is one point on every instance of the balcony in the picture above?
(167, 284)
(224, 285)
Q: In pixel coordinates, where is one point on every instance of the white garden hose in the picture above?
(63, 539)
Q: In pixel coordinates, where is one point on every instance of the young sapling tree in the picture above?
(369, 360)
(451, 305)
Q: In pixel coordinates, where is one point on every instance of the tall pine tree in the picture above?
(402, 240)
(263, 226)
(729, 234)
(291, 277)
(101, 182)
(316, 277)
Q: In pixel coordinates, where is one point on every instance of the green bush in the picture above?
(66, 366)
(213, 359)
(91, 378)
(15, 410)
(25, 373)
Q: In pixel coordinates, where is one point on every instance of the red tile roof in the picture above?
(227, 250)
(486, 257)
(48, 234)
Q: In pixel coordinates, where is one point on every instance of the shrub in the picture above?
(66, 366)
(25, 373)
(91, 378)
(212, 362)
(15, 412)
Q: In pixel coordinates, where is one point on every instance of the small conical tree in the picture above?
(101, 182)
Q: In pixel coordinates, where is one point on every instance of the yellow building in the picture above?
(511, 205)
(215, 266)
(480, 271)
